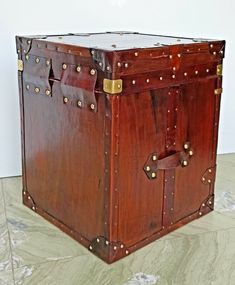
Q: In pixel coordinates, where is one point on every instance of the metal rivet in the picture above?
(154, 158)
(93, 71)
(196, 72)
(203, 179)
(170, 56)
(27, 56)
(98, 240)
(210, 202)
(24, 193)
(33, 208)
(186, 146)
(179, 55)
(47, 62)
(100, 64)
(190, 152)
(173, 76)
(18, 51)
(168, 111)
(119, 64)
(29, 198)
(185, 74)
(127, 252)
(92, 106)
(24, 51)
(90, 247)
(126, 64)
(122, 246)
(78, 68)
(153, 175)
(92, 52)
(27, 86)
(66, 100)
(107, 243)
(37, 90)
(108, 68)
(79, 103)
(118, 86)
(211, 45)
(133, 82)
(161, 78)
(64, 66)
(185, 162)
(136, 53)
(28, 42)
(210, 170)
(174, 68)
(147, 80)
(214, 53)
(114, 248)
(148, 168)
(37, 60)
(48, 92)
(209, 181)
(203, 205)
(221, 52)
(208, 70)
(200, 213)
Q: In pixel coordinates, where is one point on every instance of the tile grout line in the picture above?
(8, 232)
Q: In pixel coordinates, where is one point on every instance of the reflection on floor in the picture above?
(32, 251)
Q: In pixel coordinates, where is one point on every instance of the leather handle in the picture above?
(172, 161)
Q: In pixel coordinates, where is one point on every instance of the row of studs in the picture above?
(204, 205)
(79, 103)
(78, 69)
(37, 90)
(29, 198)
(209, 180)
(115, 247)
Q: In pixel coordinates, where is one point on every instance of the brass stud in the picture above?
(170, 56)
(154, 158)
(179, 55)
(90, 247)
(211, 45)
(78, 69)
(107, 242)
(66, 100)
(200, 213)
(79, 103)
(37, 60)
(37, 90)
(27, 56)
(153, 175)
(210, 170)
(18, 51)
(209, 181)
(203, 179)
(64, 66)
(185, 162)
(214, 53)
(173, 76)
(203, 205)
(186, 146)
(119, 86)
(196, 72)
(136, 53)
(148, 168)
(147, 80)
(92, 52)
(133, 82)
(119, 64)
(93, 71)
(98, 240)
(100, 64)
(190, 153)
(210, 202)
(33, 208)
(161, 78)
(127, 252)
(92, 106)
(185, 74)
(27, 86)
(108, 68)
(48, 92)
(24, 192)
(28, 42)
(208, 70)
(114, 248)
(126, 64)
(174, 68)
(122, 246)
(47, 62)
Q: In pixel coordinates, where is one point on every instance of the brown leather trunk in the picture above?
(119, 134)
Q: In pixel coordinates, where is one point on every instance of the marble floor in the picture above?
(32, 251)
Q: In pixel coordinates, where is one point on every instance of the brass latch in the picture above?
(20, 65)
(112, 86)
(219, 70)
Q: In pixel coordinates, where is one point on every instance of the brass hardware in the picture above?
(186, 146)
(153, 175)
(92, 106)
(27, 56)
(37, 90)
(78, 68)
(190, 153)
(185, 162)
(93, 71)
(98, 240)
(48, 92)
(90, 247)
(219, 70)
(209, 181)
(112, 86)
(27, 86)
(126, 64)
(119, 64)
(37, 60)
(136, 53)
(20, 65)
(33, 208)
(66, 100)
(107, 243)
(154, 157)
(28, 42)
(185, 74)
(200, 213)
(210, 202)
(203, 205)
(133, 82)
(148, 168)
(79, 103)
(108, 68)
(161, 78)
(121, 245)
(127, 252)
(196, 72)
(47, 62)
(203, 179)
(147, 80)
(64, 66)
(218, 91)
(209, 170)
(114, 248)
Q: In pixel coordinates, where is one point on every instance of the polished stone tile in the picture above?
(6, 278)
(198, 259)
(12, 188)
(34, 240)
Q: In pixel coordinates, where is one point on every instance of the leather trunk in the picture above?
(119, 134)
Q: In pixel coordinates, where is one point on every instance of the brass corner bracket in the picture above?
(20, 65)
(112, 86)
(219, 70)
(218, 91)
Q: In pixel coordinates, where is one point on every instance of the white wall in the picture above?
(198, 18)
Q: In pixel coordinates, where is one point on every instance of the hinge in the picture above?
(112, 86)
(20, 65)
(219, 70)
(218, 91)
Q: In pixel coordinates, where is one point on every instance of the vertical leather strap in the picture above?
(173, 108)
